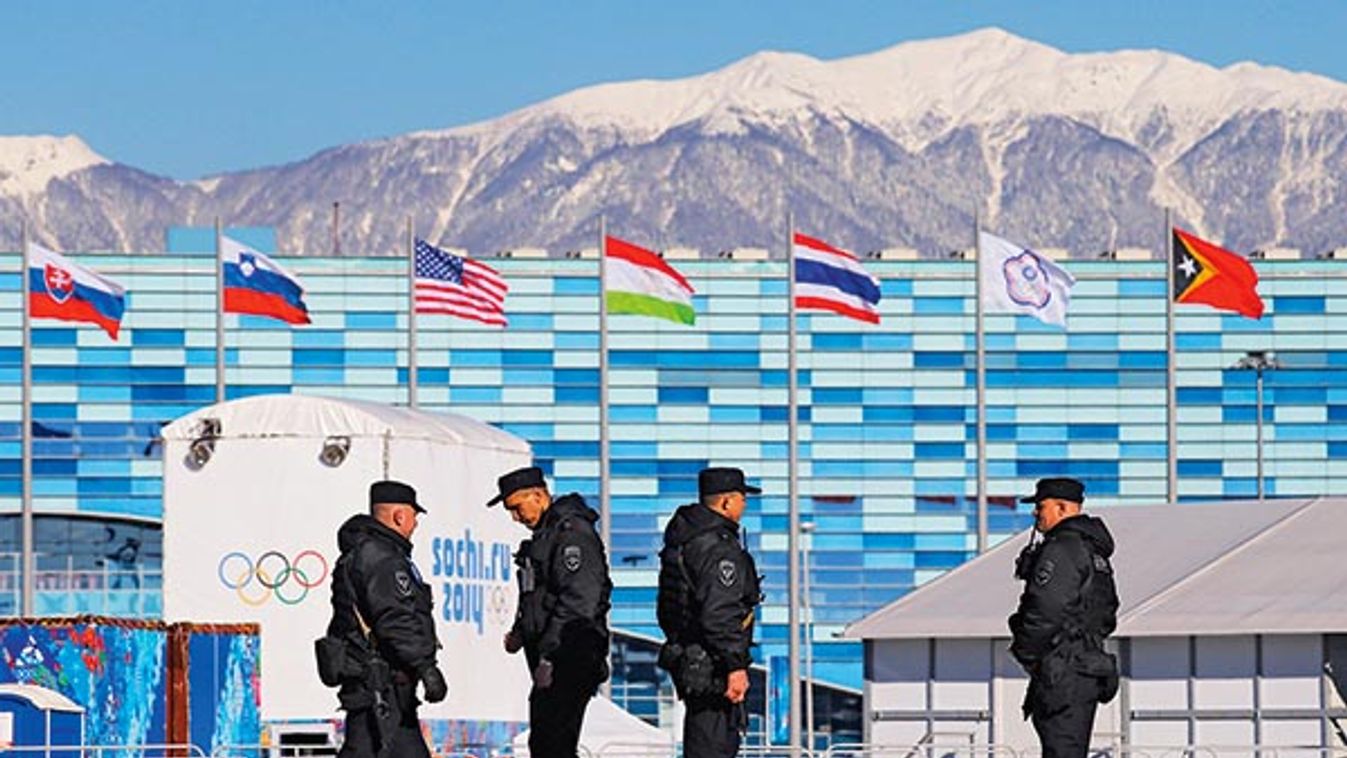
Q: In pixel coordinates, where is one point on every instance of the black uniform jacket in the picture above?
(1053, 587)
(725, 587)
(564, 589)
(375, 574)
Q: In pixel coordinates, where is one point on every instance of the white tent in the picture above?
(254, 492)
(611, 731)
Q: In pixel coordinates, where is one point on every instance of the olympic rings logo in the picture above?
(272, 574)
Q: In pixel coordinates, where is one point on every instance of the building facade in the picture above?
(887, 414)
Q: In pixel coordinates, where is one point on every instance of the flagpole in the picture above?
(793, 503)
(219, 314)
(605, 490)
(981, 373)
(1171, 373)
(26, 395)
(411, 315)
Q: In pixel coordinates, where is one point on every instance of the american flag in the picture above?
(456, 286)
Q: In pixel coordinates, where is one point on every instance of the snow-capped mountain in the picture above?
(891, 149)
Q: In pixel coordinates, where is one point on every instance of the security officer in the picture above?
(708, 590)
(562, 621)
(1069, 606)
(381, 618)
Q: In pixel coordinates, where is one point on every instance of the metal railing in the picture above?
(66, 591)
(293, 751)
(925, 748)
(961, 749)
(113, 751)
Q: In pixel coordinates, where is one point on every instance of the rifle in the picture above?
(379, 680)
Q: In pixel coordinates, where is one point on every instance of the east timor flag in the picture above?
(1209, 275)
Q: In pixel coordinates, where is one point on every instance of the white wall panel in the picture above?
(1225, 672)
(1292, 671)
(1159, 673)
(962, 674)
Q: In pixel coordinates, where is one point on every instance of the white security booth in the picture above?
(1232, 634)
(254, 492)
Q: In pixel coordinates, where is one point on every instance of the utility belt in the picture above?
(694, 672)
(1073, 659)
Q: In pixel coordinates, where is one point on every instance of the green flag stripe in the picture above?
(645, 305)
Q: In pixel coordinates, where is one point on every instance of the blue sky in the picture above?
(190, 88)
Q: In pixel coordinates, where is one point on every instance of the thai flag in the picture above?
(831, 279)
(62, 289)
(257, 285)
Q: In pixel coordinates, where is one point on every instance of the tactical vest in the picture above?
(676, 610)
(1099, 598)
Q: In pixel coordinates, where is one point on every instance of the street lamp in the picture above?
(807, 528)
(1258, 361)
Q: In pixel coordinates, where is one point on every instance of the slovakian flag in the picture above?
(640, 282)
(1209, 275)
(831, 279)
(1015, 279)
(257, 285)
(61, 289)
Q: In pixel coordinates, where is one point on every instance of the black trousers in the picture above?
(710, 728)
(1066, 733)
(556, 715)
(362, 737)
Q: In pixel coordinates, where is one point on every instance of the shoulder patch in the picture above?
(404, 581)
(1101, 564)
(727, 572)
(572, 558)
(1044, 573)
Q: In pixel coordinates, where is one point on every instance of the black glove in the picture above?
(435, 687)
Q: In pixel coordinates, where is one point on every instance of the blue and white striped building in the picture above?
(887, 412)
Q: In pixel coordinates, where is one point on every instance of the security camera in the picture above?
(334, 451)
(203, 447)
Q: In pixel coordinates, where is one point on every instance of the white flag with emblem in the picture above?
(1015, 279)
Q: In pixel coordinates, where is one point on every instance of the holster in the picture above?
(693, 671)
(335, 662)
(669, 655)
(1101, 666)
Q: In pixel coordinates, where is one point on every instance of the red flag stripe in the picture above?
(459, 298)
(639, 256)
(431, 288)
(822, 247)
(823, 304)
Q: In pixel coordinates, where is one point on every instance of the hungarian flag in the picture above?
(640, 282)
(1209, 275)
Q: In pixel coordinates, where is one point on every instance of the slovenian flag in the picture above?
(640, 282)
(257, 285)
(62, 289)
(831, 279)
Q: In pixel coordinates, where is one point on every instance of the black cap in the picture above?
(713, 481)
(389, 491)
(519, 479)
(1059, 487)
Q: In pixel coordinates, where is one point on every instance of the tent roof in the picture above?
(319, 417)
(1273, 567)
(41, 697)
(607, 724)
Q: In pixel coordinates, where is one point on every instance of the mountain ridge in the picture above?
(897, 147)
